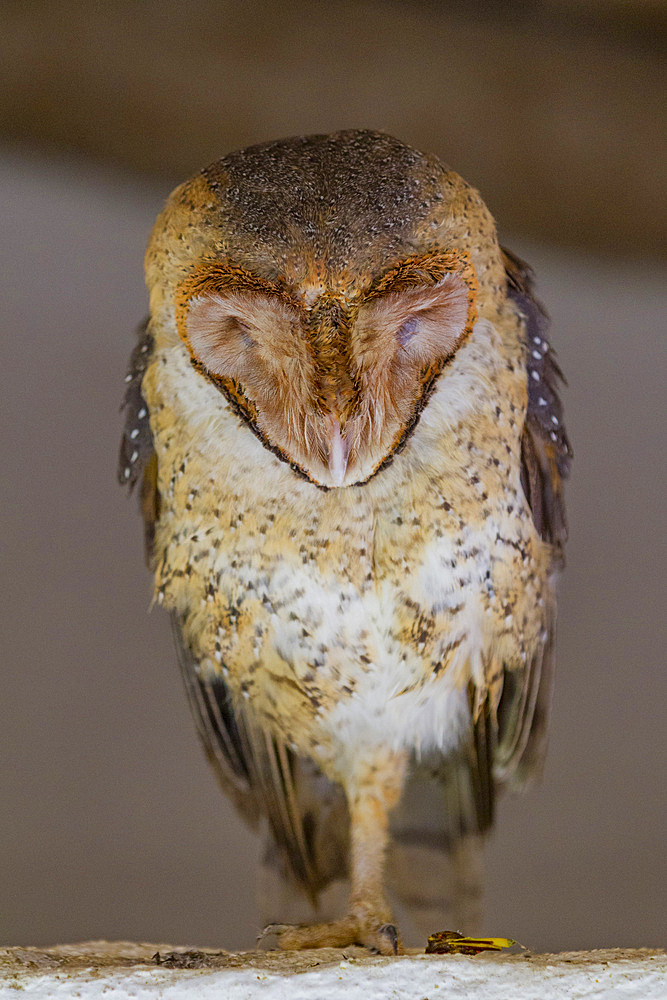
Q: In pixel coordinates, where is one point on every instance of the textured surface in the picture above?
(101, 969)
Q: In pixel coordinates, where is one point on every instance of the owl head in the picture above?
(324, 285)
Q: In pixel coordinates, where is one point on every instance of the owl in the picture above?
(343, 412)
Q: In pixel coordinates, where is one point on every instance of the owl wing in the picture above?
(545, 450)
(306, 813)
(136, 460)
(546, 454)
(506, 746)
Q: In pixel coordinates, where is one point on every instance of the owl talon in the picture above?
(389, 933)
(270, 929)
(382, 939)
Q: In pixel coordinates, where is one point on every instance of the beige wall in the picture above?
(554, 108)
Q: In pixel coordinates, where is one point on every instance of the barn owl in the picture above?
(344, 415)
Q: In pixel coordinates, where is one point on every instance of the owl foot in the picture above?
(379, 937)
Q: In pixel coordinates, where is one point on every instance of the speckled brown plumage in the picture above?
(356, 495)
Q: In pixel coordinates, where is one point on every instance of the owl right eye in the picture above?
(227, 331)
(219, 334)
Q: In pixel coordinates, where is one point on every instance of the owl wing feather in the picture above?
(545, 449)
(523, 718)
(137, 461)
(307, 814)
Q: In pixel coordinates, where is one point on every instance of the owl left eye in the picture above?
(407, 331)
(243, 331)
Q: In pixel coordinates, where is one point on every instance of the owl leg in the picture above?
(372, 792)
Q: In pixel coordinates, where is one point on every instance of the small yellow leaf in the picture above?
(454, 943)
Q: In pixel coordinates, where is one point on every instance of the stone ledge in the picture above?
(103, 969)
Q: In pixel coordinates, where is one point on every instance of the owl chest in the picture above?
(366, 624)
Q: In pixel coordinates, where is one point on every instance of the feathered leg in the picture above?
(372, 792)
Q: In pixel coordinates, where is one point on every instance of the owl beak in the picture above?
(338, 451)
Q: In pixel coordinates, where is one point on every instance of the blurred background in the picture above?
(111, 824)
